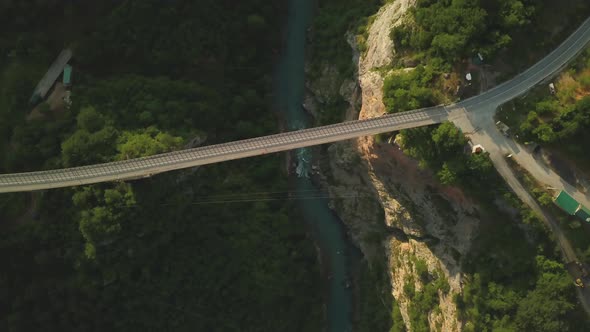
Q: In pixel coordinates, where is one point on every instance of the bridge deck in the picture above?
(136, 168)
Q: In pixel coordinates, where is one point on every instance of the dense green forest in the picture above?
(170, 252)
(452, 30)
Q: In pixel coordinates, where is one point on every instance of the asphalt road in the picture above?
(478, 123)
(148, 166)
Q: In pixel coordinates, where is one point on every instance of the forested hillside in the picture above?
(525, 287)
(169, 253)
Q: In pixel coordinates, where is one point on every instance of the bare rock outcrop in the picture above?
(380, 190)
(439, 222)
(408, 194)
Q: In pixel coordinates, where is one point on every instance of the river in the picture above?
(328, 231)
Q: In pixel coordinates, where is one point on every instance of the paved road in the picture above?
(308, 137)
(482, 130)
(478, 122)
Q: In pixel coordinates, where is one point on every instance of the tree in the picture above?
(101, 214)
(408, 90)
(84, 147)
(446, 175)
(456, 29)
(449, 46)
(545, 133)
(146, 143)
(448, 139)
(545, 308)
(89, 119)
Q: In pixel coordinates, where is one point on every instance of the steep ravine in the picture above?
(424, 221)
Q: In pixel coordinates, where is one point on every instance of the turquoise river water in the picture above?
(327, 229)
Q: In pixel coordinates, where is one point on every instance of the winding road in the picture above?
(460, 113)
(479, 124)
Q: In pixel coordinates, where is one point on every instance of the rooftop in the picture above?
(67, 75)
(567, 202)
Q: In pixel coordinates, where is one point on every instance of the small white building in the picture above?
(477, 149)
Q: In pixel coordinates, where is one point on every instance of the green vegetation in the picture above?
(453, 30)
(409, 90)
(449, 31)
(516, 284)
(557, 121)
(488, 304)
(169, 252)
(333, 19)
(439, 38)
(442, 149)
(511, 278)
(506, 271)
(378, 311)
(572, 226)
(329, 48)
(423, 301)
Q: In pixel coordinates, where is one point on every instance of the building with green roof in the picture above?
(567, 203)
(67, 75)
(51, 76)
(571, 206)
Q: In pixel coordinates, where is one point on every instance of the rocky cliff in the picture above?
(427, 224)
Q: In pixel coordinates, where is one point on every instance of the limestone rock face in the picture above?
(391, 193)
